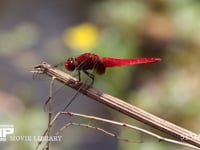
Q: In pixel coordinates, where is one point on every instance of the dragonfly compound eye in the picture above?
(70, 64)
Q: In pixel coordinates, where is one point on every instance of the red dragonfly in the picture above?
(88, 61)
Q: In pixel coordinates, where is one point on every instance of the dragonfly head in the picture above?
(70, 64)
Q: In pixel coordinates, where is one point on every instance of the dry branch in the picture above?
(121, 106)
(158, 137)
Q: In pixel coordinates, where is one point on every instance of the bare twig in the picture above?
(98, 129)
(121, 106)
(158, 137)
(50, 110)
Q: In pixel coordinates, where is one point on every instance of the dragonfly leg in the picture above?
(59, 64)
(90, 75)
(79, 76)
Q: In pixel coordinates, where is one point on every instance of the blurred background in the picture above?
(32, 32)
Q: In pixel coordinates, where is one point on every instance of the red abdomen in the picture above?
(113, 62)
